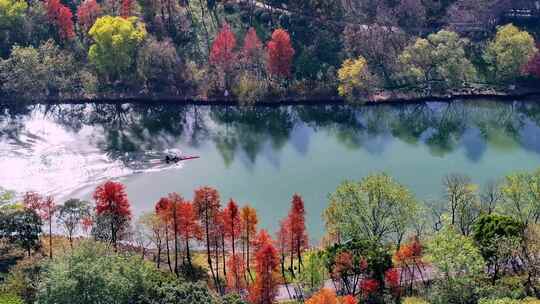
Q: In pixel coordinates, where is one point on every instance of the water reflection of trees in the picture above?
(132, 129)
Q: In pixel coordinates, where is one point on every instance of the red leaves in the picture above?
(61, 16)
(391, 279)
(348, 299)
(252, 45)
(231, 219)
(188, 226)
(45, 207)
(235, 275)
(297, 226)
(87, 13)
(264, 290)
(222, 53)
(533, 66)
(280, 54)
(369, 286)
(111, 198)
(411, 252)
(126, 9)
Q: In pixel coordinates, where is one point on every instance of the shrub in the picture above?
(40, 73)
(248, 89)
(92, 274)
(414, 300)
(6, 298)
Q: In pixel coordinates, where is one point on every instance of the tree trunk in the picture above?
(50, 237)
(167, 247)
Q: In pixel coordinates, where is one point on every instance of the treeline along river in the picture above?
(262, 155)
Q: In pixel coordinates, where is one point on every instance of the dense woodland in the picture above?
(476, 244)
(253, 50)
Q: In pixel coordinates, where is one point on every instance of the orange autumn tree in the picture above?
(297, 230)
(280, 54)
(112, 203)
(283, 242)
(207, 204)
(409, 259)
(163, 211)
(188, 227)
(235, 277)
(265, 287)
(249, 220)
(328, 296)
(232, 225)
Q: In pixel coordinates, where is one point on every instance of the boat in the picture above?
(175, 156)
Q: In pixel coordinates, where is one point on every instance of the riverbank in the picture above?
(381, 97)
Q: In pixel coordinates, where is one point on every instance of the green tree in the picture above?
(376, 208)
(70, 216)
(93, 274)
(11, 12)
(521, 196)
(459, 264)
(463, 202)
(6, 298)
(508, 53)
(438, 61)
(20, 226)
(313, 273)
(40, 73)
(115, 43)
(497, 236)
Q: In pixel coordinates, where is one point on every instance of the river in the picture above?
(263, 155)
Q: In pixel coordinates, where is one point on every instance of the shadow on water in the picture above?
(111, 140)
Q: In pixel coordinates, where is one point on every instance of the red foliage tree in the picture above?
(61, 16)
(369, 286)
(222, 52)
(87, 223)
(87, 13)
(349, 299)
(112, 202)
(44, 207)
(283, 242)
(237, 268)
(280, 54)
(252, 48)
(207, 203)
(189, 228)
(409, 258)
(297, 229)
(163, 211)
(249, 220)
(533, 66)
(126, 9)
(232, 223)
(391, 279)
(264, 290)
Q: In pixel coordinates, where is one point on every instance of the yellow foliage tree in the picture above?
(355, 79)
(115, 43)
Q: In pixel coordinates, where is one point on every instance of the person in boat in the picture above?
(172, 159)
